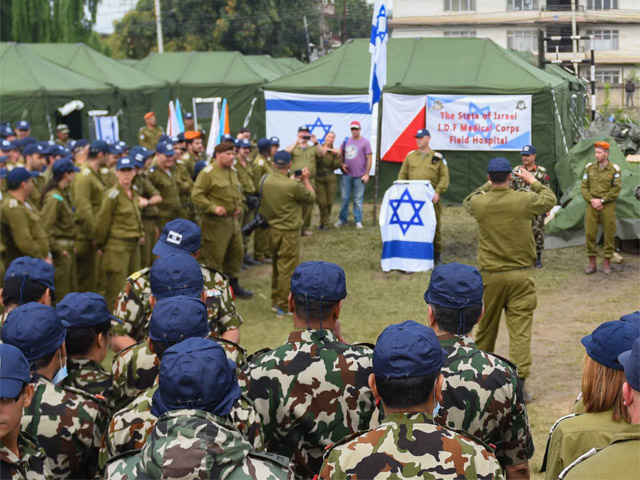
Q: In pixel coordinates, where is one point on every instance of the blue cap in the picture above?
(8, 145)
(86, 309)
(319, 280)
(455, 286)
(123, 145)
(630, 361)
(125, 162)
(34, 148)
(115, 149)
(176, 274)
(14, 371)
(227, 138)
(3, 159)
(99, 146)
(188, 116)
(423, 132)
(263, 144)
(243, 143)
(609, 340)
(275, 141)
(164, 138)
(20, 174)
(6, 131)
(303, 128)
(53, 149)
(179, 237)
(528, 150)
(199, 166)
(23, 125)
(31, 268)
(177, 318)
(632, 317)
(499, 164)
(282, 157)
(23, 142)
(64, 165)
(35, 329)
(196, 373)
(139, 155)
(165, 148)
(81, 143)
(406, 350)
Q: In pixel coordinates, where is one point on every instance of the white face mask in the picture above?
(437, 407)
(62, 373)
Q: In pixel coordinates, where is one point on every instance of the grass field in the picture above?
(570, 305)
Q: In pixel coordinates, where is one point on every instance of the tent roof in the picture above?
(280, 66)
(439, 65)
(25, 72)
(203, 69)
(88, 62)
(290, 62)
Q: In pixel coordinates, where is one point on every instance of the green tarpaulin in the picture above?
(274, 65)
(32, 88)
(566, 228)
(137, 92)
(468, 66)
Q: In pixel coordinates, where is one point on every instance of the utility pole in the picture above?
(159, 27)
(306, 32)
(574, 35)
(321, 28)
(344, 22)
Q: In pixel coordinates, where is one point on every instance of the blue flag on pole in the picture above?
(378, 49)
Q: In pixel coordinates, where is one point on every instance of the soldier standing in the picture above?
(283, 199)
(427, 164)
(195, 149)
(303, 155)
(480, 393)
(262, 166)
(62, 134)
(218, 196)
(326, 180)
(528, 154)
(23, 129)
(506, 252)
(34, 161)
(312, 391)
(166, 178)
(410, 388)
(244, 169)
(88, 191)
(601, 185)
(150, 134)
(119, 231)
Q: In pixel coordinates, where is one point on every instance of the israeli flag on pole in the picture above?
(378, 49)
(407, 226)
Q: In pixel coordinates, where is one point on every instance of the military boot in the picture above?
(526, 396)
(238, 291)
(250, 261)
(539, 260)
(606, 267)
(591, 268)
(436, 258)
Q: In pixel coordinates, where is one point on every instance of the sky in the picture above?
(110, 10)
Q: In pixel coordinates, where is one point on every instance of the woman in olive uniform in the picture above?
(58, 220)
(326, 180)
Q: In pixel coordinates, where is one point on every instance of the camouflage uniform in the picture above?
(31, 465)
(311, 392)
(132, 304)
(540, 174)
(68, 424)
(130, 427)
(481, 395)
(187, 443)
(89, 376)
(122, 467)
(408, 446)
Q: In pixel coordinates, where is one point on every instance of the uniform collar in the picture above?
(27, 448)
(408, 418)
(311, 336)
(458, 341)
(84, 363)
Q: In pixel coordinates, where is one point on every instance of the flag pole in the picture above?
(377, 167)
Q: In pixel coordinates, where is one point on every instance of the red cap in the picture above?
(148, 115)
(354, 124)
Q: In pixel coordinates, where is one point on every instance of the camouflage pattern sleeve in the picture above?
(89, 376)
(223, 315)
(31, 465)
(247, 421)
(122, 467)
(132, 307)
(134, 370)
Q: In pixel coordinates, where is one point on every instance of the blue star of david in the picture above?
(473, 108)
(415, 204)
(326, 128)
(381, 24)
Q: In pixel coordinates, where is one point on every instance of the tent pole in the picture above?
(376, 175)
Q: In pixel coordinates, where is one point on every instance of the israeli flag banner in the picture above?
(320, 113)
(378, 50)
(407, 226)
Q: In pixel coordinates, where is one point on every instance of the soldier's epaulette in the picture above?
(437, 154)
(260, 162)
(541, 168)
(113, 193)
(272, 457)
(578, 460)
(180, 162)
(412, 151)
(615, 165)
(152, 169)
(86, 172)
(13, 203)
(85, 395)
(136, 275)
(104, 170)
(58, 197)
(208, 168)
(551, 430)
(233, 167)
(135, 187)
(346, 439)
(588, 165)
(257, 354)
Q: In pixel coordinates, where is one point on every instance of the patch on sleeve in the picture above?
(113, 194)
(208, 168)
(58, 197)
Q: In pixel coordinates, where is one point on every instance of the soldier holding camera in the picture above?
(244, 169)
(303, 155)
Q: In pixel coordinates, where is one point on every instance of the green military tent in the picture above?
(33, 88)
(566, 226)
(279, 66)
(136, 92)
(465, 66)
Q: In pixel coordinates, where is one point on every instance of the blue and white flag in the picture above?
(378, 49)
(320, 113)
(107, 129)
(407, 226)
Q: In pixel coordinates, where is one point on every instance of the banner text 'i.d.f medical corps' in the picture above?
(479, 122)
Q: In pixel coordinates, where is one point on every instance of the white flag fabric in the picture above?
(172, 122)
(107, 129)
(402, 117)
(407, 226)
(214, 131)
(378, 50)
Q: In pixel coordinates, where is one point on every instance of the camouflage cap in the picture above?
(31, 268)
(454, 285)
(176, 318)
(35, 329)
(406, 350)
(176, 274)
(84, 310)
(319, 280)
(196, 373)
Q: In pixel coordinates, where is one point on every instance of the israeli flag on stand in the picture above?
(407, 226)
(378, 49)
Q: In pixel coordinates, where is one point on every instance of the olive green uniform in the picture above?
(87, 193)
(261, 166)
(506, 252)
(433, 167)
(21, 231)
(300, 158)
(185, 185)
(169, 184)
(189, 161)
(58, 220)
(108, 176)
(282, 202)
(221, 237)
(605, 184)
(245, 177)
(145, 189)
(35, 196)
(118, 232)
(149, 137)
(326, 184)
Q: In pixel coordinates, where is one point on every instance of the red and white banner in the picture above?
(402, 117)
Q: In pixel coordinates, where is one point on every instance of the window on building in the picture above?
(459, 5)
(523, 40)
(602, 4)
(604, 39)
(460, 33)
(522, 4)
(608, 76)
